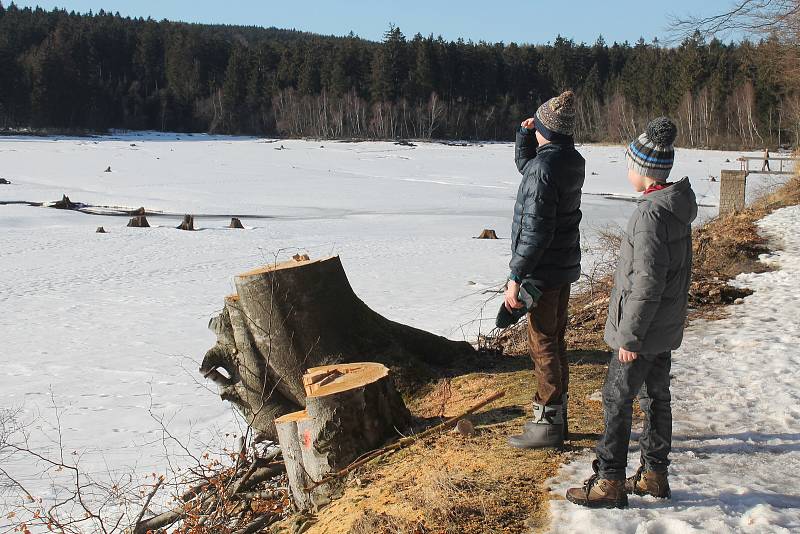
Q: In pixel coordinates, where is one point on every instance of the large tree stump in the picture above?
(350, 409)
(487, 234)
(288, 317)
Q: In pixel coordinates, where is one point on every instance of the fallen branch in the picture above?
(405, 442)
(251, 478)
(147, 501)
(257, 524)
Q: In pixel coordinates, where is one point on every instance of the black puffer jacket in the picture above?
(545, 235)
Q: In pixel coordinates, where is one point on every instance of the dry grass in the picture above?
(373, 523)
(730, 245)
(475, 484)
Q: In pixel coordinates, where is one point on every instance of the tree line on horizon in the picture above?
(67, 71)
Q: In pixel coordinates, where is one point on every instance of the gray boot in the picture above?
(546, 429)
(565, 411)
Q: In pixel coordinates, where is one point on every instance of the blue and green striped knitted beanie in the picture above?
(652, 153)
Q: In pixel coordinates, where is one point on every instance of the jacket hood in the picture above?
(678, 199)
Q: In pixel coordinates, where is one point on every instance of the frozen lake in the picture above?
(111, 323)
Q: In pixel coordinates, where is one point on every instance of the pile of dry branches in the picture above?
(241, 499)
(236, 492)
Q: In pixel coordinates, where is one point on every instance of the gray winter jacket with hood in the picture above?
(649, 302)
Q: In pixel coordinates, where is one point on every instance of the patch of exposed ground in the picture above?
(451, 483)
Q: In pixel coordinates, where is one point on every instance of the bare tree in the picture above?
(776, 21)
(776, 18)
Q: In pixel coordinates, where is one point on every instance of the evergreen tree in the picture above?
(390, 66)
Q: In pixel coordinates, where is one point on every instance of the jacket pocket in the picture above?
(615, 309)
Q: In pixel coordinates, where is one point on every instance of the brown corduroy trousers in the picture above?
(547, 326)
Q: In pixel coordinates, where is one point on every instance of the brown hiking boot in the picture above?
(649, 483)
(599, 492)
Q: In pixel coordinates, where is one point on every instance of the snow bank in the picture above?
(736, 408)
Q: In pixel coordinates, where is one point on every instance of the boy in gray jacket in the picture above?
(646, 317)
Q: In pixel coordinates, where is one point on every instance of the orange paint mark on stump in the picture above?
(307, 439)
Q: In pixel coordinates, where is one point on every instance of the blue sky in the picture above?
(522, 21)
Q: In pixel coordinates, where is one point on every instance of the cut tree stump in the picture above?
(100, 230)
(487, 234)
(187, 224)
(3, 181)
(350, 409)
(138, 211)
(236, 223)
(64, 204)
(288, 317)
(140, 221)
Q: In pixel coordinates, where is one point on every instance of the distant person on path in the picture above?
(765, 166)
(545, 249)
(646, 317)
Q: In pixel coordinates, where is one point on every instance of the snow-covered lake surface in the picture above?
(736, 418)
(114, 324)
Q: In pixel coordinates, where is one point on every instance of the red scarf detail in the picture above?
(658, 186)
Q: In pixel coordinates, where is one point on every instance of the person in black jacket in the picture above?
(545, 248)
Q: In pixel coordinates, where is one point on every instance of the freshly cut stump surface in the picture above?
(350, 409)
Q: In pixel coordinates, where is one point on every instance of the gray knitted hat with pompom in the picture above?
(652, 153)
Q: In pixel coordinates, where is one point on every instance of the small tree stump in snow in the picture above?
(64, 204)
(108, 169)
(236, 223)
(350, 409)
(187, 224)
(100, 230)
(140, 221)
(487, 234)
(3, 181)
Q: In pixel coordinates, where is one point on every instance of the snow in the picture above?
(114, 325)
(736, 411)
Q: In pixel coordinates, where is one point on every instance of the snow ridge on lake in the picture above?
(736, 411)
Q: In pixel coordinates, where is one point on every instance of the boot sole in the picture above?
(600, 504)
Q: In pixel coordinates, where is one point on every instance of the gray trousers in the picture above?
(647, 376)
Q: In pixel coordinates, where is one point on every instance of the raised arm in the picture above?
(525, 149)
